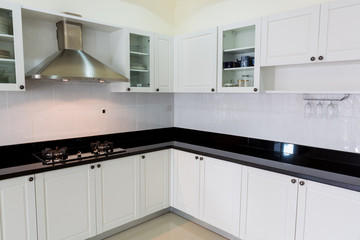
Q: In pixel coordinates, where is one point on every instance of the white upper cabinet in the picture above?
(268, 207)
(141, 58)
(196, 61)
(291, 37)
(117, 192)
(17, 207)
(12, 77)
(154, 178)
(239, 57)
(327, 212)
(164, 63)
(339, 41)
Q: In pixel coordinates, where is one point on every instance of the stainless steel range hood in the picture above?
(71, 63)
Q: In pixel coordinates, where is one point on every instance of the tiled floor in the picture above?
(167, 227)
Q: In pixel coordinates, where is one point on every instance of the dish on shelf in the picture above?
(4, 54)
(137, 66)
(4, 25)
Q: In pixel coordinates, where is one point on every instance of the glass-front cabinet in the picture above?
(141, 61)
(11, 48)
(239, 57)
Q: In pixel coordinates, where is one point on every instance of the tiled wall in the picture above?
(271, 116)
(53, 110)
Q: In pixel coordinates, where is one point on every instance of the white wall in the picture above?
(53, 110)
(154, 15)
(193, 15)
(277, 117)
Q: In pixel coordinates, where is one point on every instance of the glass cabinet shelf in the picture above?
(139, 53)
(238, 68)
(240, 50)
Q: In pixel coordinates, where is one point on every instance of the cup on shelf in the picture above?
(246, 61)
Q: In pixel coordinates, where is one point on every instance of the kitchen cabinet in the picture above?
(338, 42)
(239, 44)
(268, 206)
(327, 212)
(141, 59)
(196, 61)
(208, 189)
(154, 178)
(66, 203)
(12, 77)
(291, 37)
(117, 192)
(276, 206)
(164, 63)
(17, 207)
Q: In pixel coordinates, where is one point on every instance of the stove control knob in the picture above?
(79, 154)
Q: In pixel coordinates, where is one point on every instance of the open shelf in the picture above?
(240, 50)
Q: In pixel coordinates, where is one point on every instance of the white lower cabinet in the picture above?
(17, 209)
(66, 204)
(268, 207)
(117, 192)
(154, 175)
(208, 189)
(327, 212)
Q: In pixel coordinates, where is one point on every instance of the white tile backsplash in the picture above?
(277, 117)
(55, 110)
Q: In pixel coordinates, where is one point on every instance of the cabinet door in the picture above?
(290, 38)
(220, 194)
(12, 77)
(66, 204)
(268, 207)
(154, 182)
(141, 61)
(339, 41)
(117, 192)
(17, 208)
(164, 64)
(197, 57)
(186, 182)
(327, 212)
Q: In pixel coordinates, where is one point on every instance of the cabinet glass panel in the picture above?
(238, 57)
(7, 60)
(139, 60)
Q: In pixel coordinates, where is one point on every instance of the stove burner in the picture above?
(98, 148)
(57, 154)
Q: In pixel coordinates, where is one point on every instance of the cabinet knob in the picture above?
(92, 167)
(31, 179)
(312, 59)
(201, 158)
(22, 87)
(321, 58)
(157, 90)
(196, 157)
(99, 165)
(128, 89)
(302, 183)
(255, 89)
(293, 180)
(143, 156)
(213, 89)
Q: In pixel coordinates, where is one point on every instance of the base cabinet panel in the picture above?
(117, 192)
(66, 204)
(154, 168)
(268, 208)
(17, 209)
(220, 194)
(327, 212)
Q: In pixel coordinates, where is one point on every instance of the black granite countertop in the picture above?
(322, 165)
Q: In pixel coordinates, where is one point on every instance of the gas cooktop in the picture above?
(62, 155)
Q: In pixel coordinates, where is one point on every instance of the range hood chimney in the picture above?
(71, 63)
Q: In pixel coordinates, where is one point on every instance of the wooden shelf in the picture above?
(139, 53)
(238, 68)
(240, 50)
